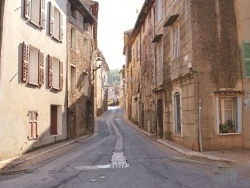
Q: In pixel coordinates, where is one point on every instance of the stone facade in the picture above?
(198, 91)
(80, 52)
(243, 25)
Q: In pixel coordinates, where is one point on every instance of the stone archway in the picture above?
(159, 119)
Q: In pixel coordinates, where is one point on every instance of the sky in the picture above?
(115, 17)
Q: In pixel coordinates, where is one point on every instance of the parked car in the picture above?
(111, 102)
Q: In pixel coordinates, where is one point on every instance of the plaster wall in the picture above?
(243, 25)
(17, 97)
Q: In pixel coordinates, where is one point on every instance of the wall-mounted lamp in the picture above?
(98, 63)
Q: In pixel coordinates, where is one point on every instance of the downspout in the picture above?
(154, 55)
(67, 100)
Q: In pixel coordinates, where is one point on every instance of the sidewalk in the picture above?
(226, 157)
(9, 163)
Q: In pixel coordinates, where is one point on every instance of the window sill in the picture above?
(228, 134)
(35, 24)
(34, 84)
(178, 135)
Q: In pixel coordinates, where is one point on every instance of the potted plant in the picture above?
(227, 127)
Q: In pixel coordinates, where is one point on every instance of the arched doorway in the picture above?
(159, 119)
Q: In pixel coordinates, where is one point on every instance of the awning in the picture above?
(171, 20)
(157, 38)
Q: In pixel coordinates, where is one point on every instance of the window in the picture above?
(73, 12)
(73, 80)
(85, 47)
(177, 113)
(175, 43)
(159, 56)
(55, 72)
(34, 10)
(32, 115)
(229, 114)
(137, 50)
(73, 38)
(55, 120)
(32, 65)
(246, 58)
(159, 10)
(56, 23)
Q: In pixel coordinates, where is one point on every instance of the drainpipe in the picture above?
(199, 112)
(154, 55)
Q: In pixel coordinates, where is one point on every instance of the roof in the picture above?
(80, 6)
(148, 4)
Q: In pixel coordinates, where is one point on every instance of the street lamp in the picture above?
(98, 63)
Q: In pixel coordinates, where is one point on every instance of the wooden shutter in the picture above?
(25, 62)
(27, 8)
(41, 68)
(42, 14)
(61, 75)
(246, 58)
(61, 27)
(50, 71)
(51, 19)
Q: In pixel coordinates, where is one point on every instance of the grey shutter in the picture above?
(51, 18)
(61, 75)
(42, 14)
(246, 58)
(61, 27)
(27, 8)
(50, 71)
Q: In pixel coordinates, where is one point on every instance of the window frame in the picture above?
(177, 91)
(159, 47)
(51, 73)
(52, 21)
(159, 11)
(73, 41)
(236, 113)
(32, 115)
(175, 42)
(28, 10)
(26, 63)
(73, 80)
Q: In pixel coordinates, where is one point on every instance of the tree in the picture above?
(114, 77)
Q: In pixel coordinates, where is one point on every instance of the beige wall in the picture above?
(243, 21)
(16, 97)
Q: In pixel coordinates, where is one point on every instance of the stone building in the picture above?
(33, 67)
(80, 92)
(122, 88)
(100, 85)
(199, 92)
(243, 26)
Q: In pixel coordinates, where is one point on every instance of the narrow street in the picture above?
(119, 155)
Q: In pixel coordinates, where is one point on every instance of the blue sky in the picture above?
(115, 17)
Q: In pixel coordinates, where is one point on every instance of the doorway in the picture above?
(159, 119)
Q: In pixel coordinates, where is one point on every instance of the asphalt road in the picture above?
(119, 156)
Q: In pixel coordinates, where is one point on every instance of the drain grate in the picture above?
(25, 171)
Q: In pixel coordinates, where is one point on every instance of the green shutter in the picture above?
(246, 58)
